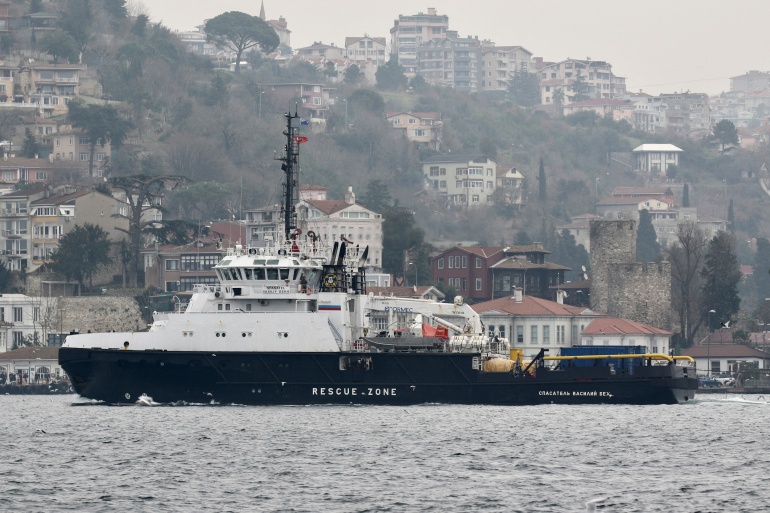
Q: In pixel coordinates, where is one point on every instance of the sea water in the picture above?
(63, 453)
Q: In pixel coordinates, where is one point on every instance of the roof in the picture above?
(457, 158)
(484, 252)
(657, 147)
(512, 263)
(352, 40)
(642, 191)
(31, 353)
(617, 326)
(418, 115)
(328, 207)
(530, 306)
(598, 102)
(724, 351)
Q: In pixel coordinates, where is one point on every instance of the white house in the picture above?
(532, 323)
(612, 331)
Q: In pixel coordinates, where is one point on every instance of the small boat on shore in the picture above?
(292, 323)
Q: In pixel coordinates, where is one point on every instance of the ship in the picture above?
(292, 323)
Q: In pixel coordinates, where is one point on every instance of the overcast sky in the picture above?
(657, 45)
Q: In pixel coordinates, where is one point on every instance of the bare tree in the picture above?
(687, 254)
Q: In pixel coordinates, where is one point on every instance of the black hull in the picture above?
(116, 376)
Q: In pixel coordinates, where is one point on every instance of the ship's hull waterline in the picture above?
(391, 378)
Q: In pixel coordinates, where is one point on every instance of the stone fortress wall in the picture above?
(622, 287)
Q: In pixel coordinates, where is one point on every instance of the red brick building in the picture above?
(484, 273)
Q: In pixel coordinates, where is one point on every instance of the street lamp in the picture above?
(346, 113)
(708, 347)
(260, 103)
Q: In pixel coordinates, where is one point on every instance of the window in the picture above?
(440, 263)
(478, 263)
(546, 335)
(457, 262)
(465, 262)
(450, 260)
(18, 315)
(520, 334)
(172, 265)
(560, 335)
(533, 335)
(478, 283)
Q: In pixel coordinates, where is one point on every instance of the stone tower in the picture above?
(611, 242)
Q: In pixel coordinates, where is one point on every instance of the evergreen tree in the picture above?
(399, 234)
(581, 90)
(647, 246)
(762, 270)
(31, 148)
(239, 31)
(353, 74)
(570, 254)
(686, 196)
(722, 275)
(102, 124)
(524, 89)
(80, 253)
(726, 133)
(6, 278)
(390, 77)
(541, 195)
(522, 238)
(377, 197)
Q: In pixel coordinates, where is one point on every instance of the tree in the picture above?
(418, 83)
(6, 278)
(722, 275)
(391, 77)
(571, 254)
(762, 270)
(686, 196)
(102, 124)
(399, 234)
(203, 200)
(60, 45)
(524, 89)
(541, 192)
(726, 133)
(647, 246)
(377, 197)
(31, 148)
(80, 253)
(353, 74)
(686, 255)
(558, 98)
(522, 238)
(142, 194)
(35, 6)
(367, 100)
(240, 31)
(581, 90)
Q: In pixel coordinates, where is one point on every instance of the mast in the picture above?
(290, 167)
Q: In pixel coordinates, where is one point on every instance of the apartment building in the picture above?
(50, 86)
(73, 145)
(410, 31)
(366, 49)
(750, 82)
(463, 179)
(500, 63)
(605, 108)
(687, 112)
(597, 77)
(319, 50)
(451, 61)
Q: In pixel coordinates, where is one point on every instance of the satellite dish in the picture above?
(415, 288)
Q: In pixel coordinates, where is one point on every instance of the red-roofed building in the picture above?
(721, 357)
(613, 331)
(485, 273)
(532, 323)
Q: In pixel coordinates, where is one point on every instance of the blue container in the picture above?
(619, 364)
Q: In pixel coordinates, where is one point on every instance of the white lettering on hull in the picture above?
(354, 391)
(579, 393)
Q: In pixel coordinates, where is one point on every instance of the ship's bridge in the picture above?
(255, 275)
